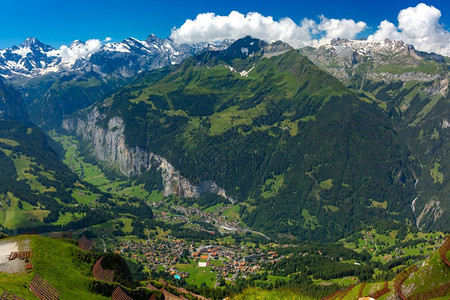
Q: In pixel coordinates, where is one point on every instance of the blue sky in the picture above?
(61, 22)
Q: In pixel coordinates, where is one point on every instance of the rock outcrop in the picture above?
(380, 61)
(110, 147)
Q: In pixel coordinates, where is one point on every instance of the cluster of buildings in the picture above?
(156, 253)
(173, 255)
(226, 261)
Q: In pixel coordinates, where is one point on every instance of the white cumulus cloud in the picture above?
(79, 50)
(211, 27)
(344, 28)
(418, 26)
(107, 39)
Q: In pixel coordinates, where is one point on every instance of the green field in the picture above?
(310, 221)
(379, 242)
(272, 186)
(197, 275)
(83, 197)
(213, 208)
(68, 217)
(92, 173)
(9, 142)
(232, 213)
(14, 217)
(23, 165)
(438, 177)
(75, 160)
(326, 184)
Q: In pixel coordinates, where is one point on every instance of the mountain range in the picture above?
(263, 126)
(306, 169)
(57, 82)
(128, 58)
(259, 124)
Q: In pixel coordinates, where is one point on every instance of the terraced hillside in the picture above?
(67, 269)
(426, 279)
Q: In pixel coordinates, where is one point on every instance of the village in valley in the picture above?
(204, 242)
(214, 262)
(226, 256)
(179, 257)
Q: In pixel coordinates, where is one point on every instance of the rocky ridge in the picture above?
(346, 59)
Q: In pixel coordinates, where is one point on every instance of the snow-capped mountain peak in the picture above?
(76, 43)
(152, 38)
(35, 44)
(127, 58)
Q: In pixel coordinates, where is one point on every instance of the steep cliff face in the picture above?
(109, 146)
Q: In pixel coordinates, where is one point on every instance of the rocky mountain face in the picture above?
(351, 60)
(412, 88)
(29, 59)
(110, 147)
(33, 179)
(127, 58)
(131, 56)
(291, 143)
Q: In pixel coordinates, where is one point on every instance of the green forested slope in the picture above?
(412, 90)
(298, 148)
(37, 190)
(53, 96)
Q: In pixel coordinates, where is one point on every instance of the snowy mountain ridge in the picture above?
(372, 49)
(33, 58)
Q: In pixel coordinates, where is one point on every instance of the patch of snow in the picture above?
(413, 204)
(244, 50)
(445, 123)
(22, 51)
(230, 68)
(116, 47)
(22, 74)
(245, 73)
